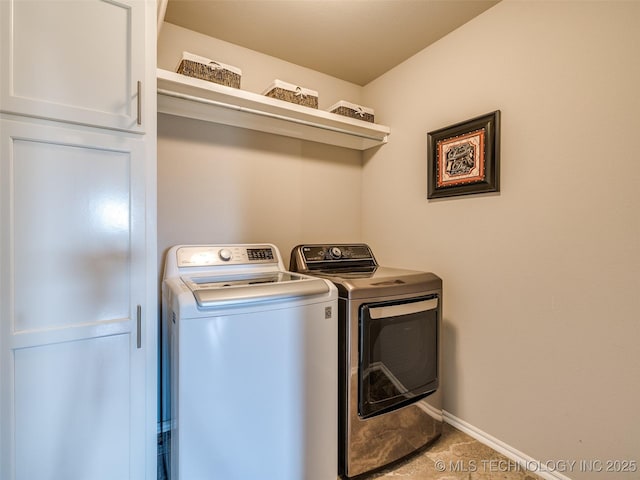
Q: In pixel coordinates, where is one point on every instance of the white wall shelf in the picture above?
(194, 98)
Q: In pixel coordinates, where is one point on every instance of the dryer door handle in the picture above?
(377, 313)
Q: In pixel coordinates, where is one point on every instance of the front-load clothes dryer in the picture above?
(250, 359)
(389, 326)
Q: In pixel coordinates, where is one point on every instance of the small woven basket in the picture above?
(210, 70)
(292, 93)
(353, 111)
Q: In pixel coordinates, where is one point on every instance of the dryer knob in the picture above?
(225, 254)
(335, 252)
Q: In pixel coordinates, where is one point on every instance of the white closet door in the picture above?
(73, 60)
(73, 377)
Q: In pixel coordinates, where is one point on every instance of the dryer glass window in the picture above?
(399, 354)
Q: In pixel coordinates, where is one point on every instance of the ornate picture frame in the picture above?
(464, 158)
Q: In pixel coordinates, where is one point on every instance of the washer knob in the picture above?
(335, 252)
(225, 254)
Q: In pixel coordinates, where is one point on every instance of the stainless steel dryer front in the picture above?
(389, 354)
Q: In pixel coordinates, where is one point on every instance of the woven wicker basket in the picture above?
(206, 69)
(292, 93)
(352, 110)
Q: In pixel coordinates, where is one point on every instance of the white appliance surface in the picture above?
(252, 366)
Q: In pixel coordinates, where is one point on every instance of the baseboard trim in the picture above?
(525, 461)
(430, 410)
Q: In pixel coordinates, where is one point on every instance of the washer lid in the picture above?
(223, 290)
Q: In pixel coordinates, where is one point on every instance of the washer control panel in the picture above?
(212, 255)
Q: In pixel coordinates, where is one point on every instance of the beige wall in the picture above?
(542, 297)
(258, 70)
(219, 184)
(541, 280)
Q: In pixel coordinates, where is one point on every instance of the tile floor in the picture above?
(455, 456)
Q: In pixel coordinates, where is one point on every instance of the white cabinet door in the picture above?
(79, 61)
(72, 350)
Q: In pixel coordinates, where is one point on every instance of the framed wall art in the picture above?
(464, 158)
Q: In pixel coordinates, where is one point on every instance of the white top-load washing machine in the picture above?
(250, 354)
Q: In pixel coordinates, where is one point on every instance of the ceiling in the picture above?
(354, 40)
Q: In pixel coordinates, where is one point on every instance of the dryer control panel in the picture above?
(305, 258)
(321, 253)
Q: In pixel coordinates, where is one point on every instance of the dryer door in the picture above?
(398, 353)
